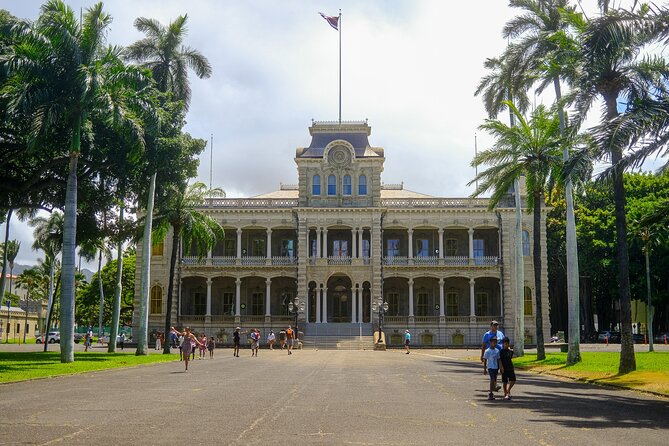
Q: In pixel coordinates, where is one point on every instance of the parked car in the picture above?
(659, 337)
(614, 336)
(638, 338)
(78, 337)
(54, 337)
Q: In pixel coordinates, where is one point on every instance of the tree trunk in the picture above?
(627, 358)
(116, 308)
(69, 253)
(574, 325)
(142, 329)
(102, 295)
(170, 288)
(519, 344)
(541, 352)
(50, 305)
(25, 323)
(649, 316)
(4, 257)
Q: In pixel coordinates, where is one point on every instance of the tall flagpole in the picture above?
(211, 162)
(339, 23)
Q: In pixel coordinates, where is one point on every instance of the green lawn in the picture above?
(652, 373)
(18, 366)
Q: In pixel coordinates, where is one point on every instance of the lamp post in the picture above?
(294, 307)
(383, 307)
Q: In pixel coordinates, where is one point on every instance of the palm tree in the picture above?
(116, 307)
(29, 279)
(532, 148)
(506, 81)
(162, 51)
(614, 71)
(92, 248)
(48, 235)
(11, 250)
(189, 226)
(546, 50)
(3, 279)
(81, 73)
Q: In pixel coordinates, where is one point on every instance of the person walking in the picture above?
(506, 367)
(211, 346)
(282, 339)
(121, 340)
(203, 346)
(158, 342)
(290, 334)
(188, 344)
(235, 342)
(180, 340)
(255, 344)
(271, 339)
(493, 333)
(407, 340)
(491, 366)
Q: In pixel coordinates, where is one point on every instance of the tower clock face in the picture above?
(339, 156)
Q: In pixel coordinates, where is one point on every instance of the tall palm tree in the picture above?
(545, 49)
(11, 250)
(48, 235)
(532, 148)
(8, 219)
(29, 280)
(506, 81)
(65, 78)
(615, 72)
(162, 51)
(190, 226)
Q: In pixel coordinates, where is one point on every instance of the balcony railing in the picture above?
(254, 318)
(253, 260)
(395, 260)
(194, 317)
(402, 320)
(426, 319)
(435, 202)
(486, 261)
(428, 260)
(339, 260)
(456, 260)
(250, 202)
(281, 260)
(193, 260)
(457, 319)
(223, 260)
(222, 318)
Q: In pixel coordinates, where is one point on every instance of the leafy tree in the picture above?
(532, 148)
(10, 251)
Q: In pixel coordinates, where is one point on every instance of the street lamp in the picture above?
(383, 308)
(294, 308)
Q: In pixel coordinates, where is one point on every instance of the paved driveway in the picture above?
(322, 397)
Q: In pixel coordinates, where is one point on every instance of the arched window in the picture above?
(347, 185)
(528, 302)
(156, 300)
(316, 185)
(332, 185)
(526, 243)
(362, 185)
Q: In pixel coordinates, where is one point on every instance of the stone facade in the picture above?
(339, 244)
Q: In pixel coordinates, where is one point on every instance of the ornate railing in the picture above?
(281, 260)
(486, 261)
(460, 319)
(395, 260)
(435, 202)
(395, 320)
(194, 317)
(339, 260)
(426, 319)
(250, 202)
(486, 319)
(456, 260)
(222, 318)
(253, 260)
(429, 260)
(193, 260)
(254, 318)
(223, 260)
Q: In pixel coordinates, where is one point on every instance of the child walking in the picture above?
(188, 344)
(211, 345)
(508, 372)
(491, 365)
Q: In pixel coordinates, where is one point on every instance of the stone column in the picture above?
(354, 243)
(472, 300)
(208, 261)
(238, 297)
(318, 243)
(269, 244)
(360, 233)
(410, 231)
(268, 291)
(359, 291)
(319, 298)
(209, 297)
(471, 246)
(441, 297)
(179, 300)
(325, 306)
(441, 243)
(239, 243)
(354, 304)
(325, 242)
(410, 297)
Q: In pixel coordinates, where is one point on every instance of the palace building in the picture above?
(329, 251)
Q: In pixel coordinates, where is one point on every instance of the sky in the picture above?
(408, 66)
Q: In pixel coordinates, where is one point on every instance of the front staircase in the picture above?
(339, 336)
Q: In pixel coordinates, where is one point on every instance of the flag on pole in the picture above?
(333, 21)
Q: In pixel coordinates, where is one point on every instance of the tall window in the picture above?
(479, 250)
(332, 185)
(362, 185)
(452, 307)
(199, 302)
(340, 248)
(451, 248)
(393, 300)
(481, 300)
(258, 247)
(230, 247)
(528, 302)
(365, 248)
(287, 248)
(393, 247)
(157, 248)
(347, 185)
(422, 304)
(257, 300)
(526, 243)
(313, 247)
(156, 300)
(422, 248)
(316, 185)
(228, 303)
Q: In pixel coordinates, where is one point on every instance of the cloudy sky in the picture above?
(409, 67)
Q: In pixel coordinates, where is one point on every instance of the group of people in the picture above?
(287, 339)
(189, 343)
(496, 356)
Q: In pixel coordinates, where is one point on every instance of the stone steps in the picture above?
(339, 342)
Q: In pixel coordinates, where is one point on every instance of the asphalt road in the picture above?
(323, 397)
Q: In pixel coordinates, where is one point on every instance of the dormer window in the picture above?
(347, 185)
(332, 185)
(362, 185)
(316, 185)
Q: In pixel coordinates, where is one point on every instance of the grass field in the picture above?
(652, 373)
(18, 366)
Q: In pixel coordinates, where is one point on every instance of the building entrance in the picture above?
(339, 299)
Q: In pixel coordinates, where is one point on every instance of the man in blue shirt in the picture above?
(492, 333)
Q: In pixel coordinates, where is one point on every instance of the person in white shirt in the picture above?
(271, 339)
